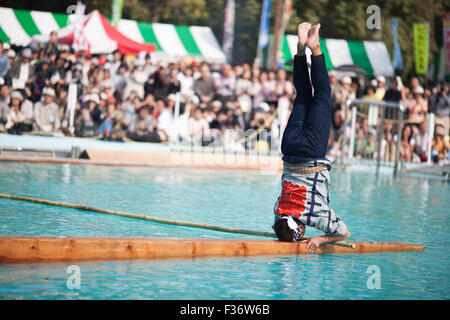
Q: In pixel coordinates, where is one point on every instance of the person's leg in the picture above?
(302, 86)
(313, 139)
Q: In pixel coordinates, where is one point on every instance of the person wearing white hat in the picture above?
(419, 107)
(4, 61)
(46, 112)
(21, 72)
(380, 91)
(15, 123)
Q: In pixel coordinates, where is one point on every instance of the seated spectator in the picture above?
(360, 143)
(16, 120)
(143, 127)
(406, 145)
(46, 112)
(165, 120)
(440, 145)
(21, 72)
(225, 85)
(4, 106)
(4, 62)
(369, 150)
(198, 128)
(85, 126)
(420, 137)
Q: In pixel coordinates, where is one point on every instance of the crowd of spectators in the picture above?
(122, 98)
(418, 103)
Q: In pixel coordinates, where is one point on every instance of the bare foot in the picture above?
(313, 40)
(302, 31)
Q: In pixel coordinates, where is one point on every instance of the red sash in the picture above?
(292, 200)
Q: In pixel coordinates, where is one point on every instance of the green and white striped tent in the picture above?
(19, 26)
(372, 56)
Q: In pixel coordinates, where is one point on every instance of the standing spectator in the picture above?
(393, 93)
(418, 108)
(440, 106)
(116, 62)
(52, 45)
(186, 83)
(380, 90)
(4, 62)
(243, 93)
(284, 87)
(46, 112)
(258, 90)
(204, 86)
(225, 85)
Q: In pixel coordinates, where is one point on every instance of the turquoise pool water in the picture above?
(376, 208)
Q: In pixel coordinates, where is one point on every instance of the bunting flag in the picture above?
(287, 9)
(421, 42)
(446, 35)
(263, 38)
(116, 9)
(371, 56)
(437, 70)
(228, 30)
(397, 56)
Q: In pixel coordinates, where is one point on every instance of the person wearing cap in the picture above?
(4, 62)
(46, 112)
(305, 194)
(21, 72)
(16, 120)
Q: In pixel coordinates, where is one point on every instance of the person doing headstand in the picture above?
(305, 194)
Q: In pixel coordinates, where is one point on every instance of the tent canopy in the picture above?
(103, 37)
(171, 41)
(371, 56)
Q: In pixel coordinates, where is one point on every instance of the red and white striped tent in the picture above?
(101, 37)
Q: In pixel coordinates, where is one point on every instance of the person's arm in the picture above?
(315, 242)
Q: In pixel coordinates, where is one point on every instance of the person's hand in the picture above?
(313, 244)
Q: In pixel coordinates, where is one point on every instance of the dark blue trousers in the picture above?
(308, 129)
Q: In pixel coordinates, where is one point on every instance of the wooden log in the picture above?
(21, 249)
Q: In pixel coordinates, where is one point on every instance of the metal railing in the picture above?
(352, 103)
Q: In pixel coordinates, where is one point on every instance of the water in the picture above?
(375, 208)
